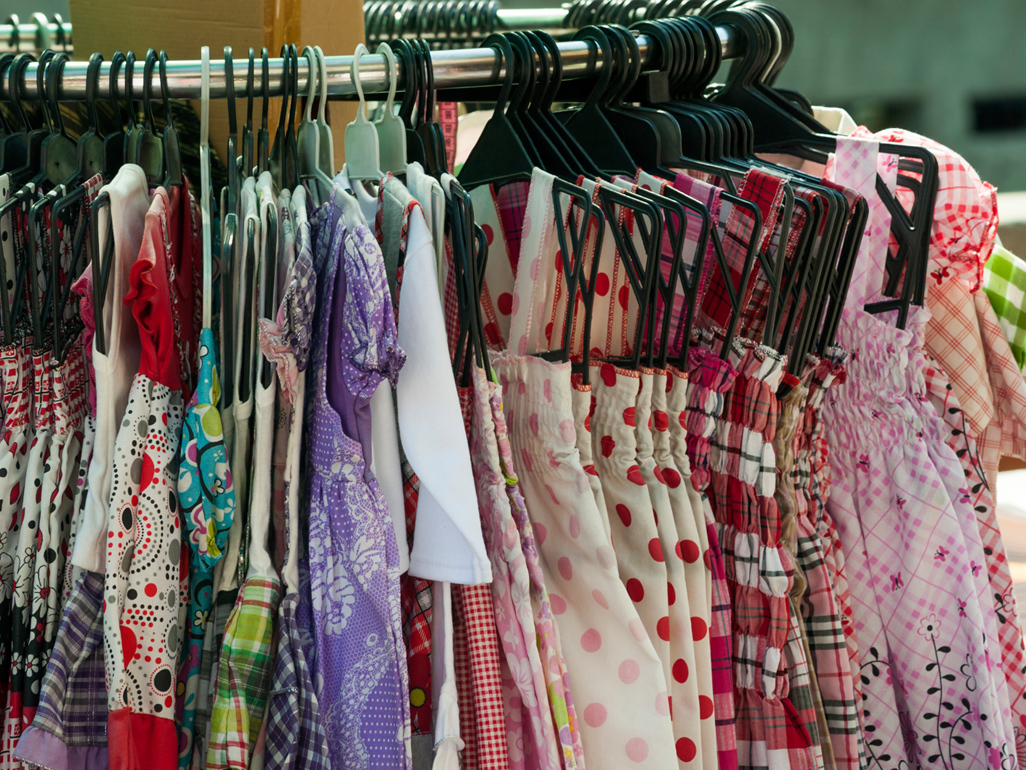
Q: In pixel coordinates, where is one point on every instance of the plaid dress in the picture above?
(709, 378)
(71, 721)
(743, 479)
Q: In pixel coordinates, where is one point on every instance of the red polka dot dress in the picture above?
(682, 683)
(692, 542)
(141, 633)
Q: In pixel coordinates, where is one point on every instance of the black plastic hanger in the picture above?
(277, 161)
(114, 142)
(90, 146)
(589, 125)
(149, 148)
(247, 129)
(173, 176)
(640, 272)
(403, 51)
(484, 165)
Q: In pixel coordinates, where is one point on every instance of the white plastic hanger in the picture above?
(362, 152)
(208, 253)
(310, 138)
(327, 145)
(391, 131)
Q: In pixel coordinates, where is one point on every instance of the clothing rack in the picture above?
(36, 35)
(452, 69)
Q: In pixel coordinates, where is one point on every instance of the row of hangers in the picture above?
(671, 119)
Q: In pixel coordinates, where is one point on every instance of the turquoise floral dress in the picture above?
(208, 502)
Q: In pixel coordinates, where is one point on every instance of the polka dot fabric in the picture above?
(23, 664)
(145, 562)
(554, 667)
(632, 520)
(682, 683)
(692, 543)
(618, 682)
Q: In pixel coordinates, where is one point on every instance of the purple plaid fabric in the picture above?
(295, 734)
(70, 726)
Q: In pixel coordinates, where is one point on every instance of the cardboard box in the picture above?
(181, 28)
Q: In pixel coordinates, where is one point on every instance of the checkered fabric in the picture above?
(758, 305)
(415, 596)
(1000, 580)
(954, 340)
(765, 191)
(1005, 436)
(770, 732)
(73, 698)
(476, 654)
(709, 377)
(224, 603)
(803, 688)
(244, 675)
(821, 612)
(965, 215)
(709, 196)
(1004, 280)
(295, 734)
(478, 679)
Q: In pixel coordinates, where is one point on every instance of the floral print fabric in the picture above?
(208, 507)
(354, 581)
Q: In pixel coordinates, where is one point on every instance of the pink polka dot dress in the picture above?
(618, 681)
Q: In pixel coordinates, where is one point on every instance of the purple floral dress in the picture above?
(353, 556)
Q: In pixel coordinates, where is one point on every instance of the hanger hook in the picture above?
(133, 111)
(354, 75)
(53, 75)
(293, 86)
(44, 62)
(311, 82)
(265, 85)
(116, 62)
(92, 84)
(322, 65)
(505, 51)
(164, 91)
(393, 74)
(286, 84)
(229, 85)
(249, 90)
(15, 86)
(151, 60)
